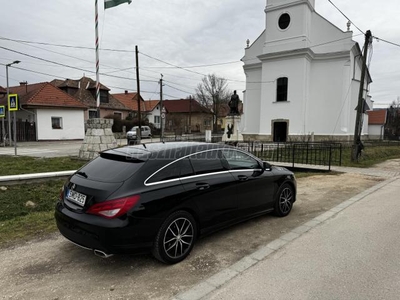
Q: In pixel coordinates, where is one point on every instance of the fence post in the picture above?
(293, 151)
(277, 153)
(330, 156)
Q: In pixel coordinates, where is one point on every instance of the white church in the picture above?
(302, 77)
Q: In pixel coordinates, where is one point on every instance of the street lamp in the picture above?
(9, 113)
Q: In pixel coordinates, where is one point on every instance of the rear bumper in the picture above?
(110, 236)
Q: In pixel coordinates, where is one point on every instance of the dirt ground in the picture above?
(53, 268)
(389, 165)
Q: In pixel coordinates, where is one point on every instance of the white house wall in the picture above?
(155, 112)
(72, 124)
(252, 102)
(293, 108)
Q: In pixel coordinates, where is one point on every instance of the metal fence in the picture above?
(323, 154)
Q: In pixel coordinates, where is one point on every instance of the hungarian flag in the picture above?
(112, 3)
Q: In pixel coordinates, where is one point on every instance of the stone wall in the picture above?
(99, 137)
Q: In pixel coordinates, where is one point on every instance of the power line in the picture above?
(379, 39)
(198, 66)
(175, 88)
(346, 17)
(68, 66)
(65, 46)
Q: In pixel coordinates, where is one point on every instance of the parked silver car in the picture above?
(131, 135)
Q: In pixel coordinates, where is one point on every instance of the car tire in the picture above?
(284, 200)
(175, 238)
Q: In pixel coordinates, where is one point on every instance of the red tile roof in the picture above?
(183, 106)
(377, 117)
(45, 94)
(151, 104)
(130, 101)
(3, 90)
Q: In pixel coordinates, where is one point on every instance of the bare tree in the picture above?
(392, 127)
(213, 92)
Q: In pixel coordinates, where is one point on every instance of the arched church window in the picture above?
(284, 21)
(281, 89)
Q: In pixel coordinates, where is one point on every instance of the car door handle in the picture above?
(202, 186)
(242, 177)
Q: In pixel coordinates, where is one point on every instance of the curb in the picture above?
(206, 287)
(23, 177)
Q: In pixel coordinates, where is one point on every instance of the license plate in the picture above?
(76, 197)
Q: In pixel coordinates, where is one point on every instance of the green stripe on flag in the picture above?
(112, 3)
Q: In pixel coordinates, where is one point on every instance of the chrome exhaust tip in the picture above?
(101, 254)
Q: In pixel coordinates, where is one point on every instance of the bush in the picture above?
(129, 123)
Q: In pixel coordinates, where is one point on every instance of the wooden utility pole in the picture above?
(162, 115)
(138, 93)
(360, 107)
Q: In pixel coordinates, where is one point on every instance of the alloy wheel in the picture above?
(178, 238)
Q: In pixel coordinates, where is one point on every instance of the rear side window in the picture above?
(110, 170)
(177, 169)
(238, 160)
(207, 162)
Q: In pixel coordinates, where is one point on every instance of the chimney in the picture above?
(126, 92)
(24, 83)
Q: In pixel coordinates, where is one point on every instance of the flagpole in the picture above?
(97, 60)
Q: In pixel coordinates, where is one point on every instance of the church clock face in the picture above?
(284, 21)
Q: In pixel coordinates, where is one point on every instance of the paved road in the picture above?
(354, 254)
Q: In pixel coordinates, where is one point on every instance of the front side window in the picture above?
(238, 160)
(207, 162)
(56, 122)
(282, 89)
(180, 168)
(156, 119)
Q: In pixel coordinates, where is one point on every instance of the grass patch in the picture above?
(371, 156)
(17, 221)
(25, 165)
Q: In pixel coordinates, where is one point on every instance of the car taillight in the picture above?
(114, 208)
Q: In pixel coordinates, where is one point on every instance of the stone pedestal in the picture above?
(99, 137)
(231, 133)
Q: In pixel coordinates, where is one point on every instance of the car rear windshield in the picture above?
(111, 168)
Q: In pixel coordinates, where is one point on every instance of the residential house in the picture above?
(302, 77)
(150, 109)
(376, 124)
(187, 115)
(84, 90)
(47, 113)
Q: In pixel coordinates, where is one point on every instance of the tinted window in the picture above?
(238, 160)
(111, 170)
(207, 162)
(180, 168)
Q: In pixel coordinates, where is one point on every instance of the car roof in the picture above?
(169, 151)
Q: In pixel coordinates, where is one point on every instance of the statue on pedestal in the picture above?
(234, 105)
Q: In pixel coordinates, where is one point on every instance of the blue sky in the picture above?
(180, 32)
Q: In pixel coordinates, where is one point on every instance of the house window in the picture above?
(156, 119)
(103, 96)
(207, 122)
(281, 89)
(118, 114)
(92, 114)
(56, 122)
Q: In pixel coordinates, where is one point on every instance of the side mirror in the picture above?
(266, 166)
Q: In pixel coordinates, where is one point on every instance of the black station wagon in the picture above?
(162, 197)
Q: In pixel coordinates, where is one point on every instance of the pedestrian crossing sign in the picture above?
(2, 111)
(12, 102)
